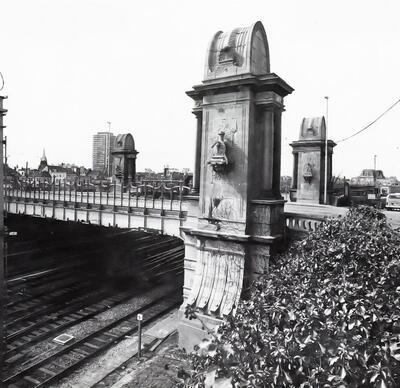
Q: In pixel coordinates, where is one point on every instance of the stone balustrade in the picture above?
(298, 225)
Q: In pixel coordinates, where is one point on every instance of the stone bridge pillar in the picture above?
(309, 162)
(124, 159)
(239, 103)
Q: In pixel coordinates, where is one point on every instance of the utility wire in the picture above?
(2, 81)
(371, 123)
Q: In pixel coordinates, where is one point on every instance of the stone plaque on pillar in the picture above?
(238, 107)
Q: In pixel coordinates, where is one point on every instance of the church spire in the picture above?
(44, 159)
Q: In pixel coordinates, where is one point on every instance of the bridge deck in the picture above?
(164, 214)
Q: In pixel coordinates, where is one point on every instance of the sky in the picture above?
(71, 66)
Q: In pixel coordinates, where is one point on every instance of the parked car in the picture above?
(393, 201)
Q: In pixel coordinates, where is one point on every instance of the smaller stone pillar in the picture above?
(309, 162)
(124, 159)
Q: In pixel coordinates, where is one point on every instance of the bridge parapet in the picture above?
(145, 203)
(150, 205)
(164, 195)
(299, 225)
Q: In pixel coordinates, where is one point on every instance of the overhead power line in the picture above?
(371, 123)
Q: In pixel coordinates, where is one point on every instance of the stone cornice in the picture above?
(238, 238)
(312, 143)
(270, 105)
(269, 82)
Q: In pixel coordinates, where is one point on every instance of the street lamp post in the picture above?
(326, 153)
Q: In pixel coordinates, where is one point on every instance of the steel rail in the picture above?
(85, 340)
(58, 323)
(104, 347)
(68, 296)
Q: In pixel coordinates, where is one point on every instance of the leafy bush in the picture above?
(327, 315)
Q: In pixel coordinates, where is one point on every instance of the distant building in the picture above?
(376, 181)
(78, 170)
(368, 177)
(38, 176)
(61, 174)
(175, 173)
(92, 175)
(22, 171)
(103, 143)
(169, 172)
(149, 174)
(372, 177)
(57, 174)
(11, 175)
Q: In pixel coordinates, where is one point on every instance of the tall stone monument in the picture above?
(309, 161)
(124, 159)
(238, 108)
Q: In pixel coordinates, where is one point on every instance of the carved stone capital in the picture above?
(269, 101)
(198, 108)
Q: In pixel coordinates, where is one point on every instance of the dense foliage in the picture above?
(327, 315)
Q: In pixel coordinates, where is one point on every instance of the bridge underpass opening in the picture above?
(43, 244)
(62, 274)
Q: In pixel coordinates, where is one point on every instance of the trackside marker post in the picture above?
(139, 319)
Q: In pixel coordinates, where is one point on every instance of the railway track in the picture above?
(45, 304)
(27, 289)
(35, 278)
(40, 259)
(65, 359)
(164, 262)
(51, 325)
(51, 298)
(20, 296)
(24, 313)
(17, 278)
(36, 319)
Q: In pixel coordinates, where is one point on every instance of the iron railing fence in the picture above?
(153, 194)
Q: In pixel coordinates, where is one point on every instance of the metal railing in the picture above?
(147, 194)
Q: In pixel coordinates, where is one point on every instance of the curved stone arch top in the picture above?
(313, 128)
(240, 51)
(124, 142)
